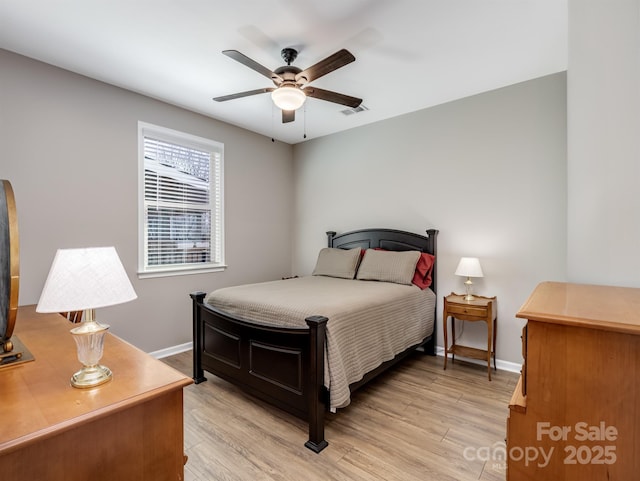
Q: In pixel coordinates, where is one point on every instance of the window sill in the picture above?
(180, 272)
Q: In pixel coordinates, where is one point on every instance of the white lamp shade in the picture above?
(469, 267)
(288, 97)
(86, 278)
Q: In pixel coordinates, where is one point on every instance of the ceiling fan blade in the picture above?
(323, 67)
(252, 64)
(243, 94)
(288, 116)
(334, 97)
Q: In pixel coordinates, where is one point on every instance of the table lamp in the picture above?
(86, 279)
(469, 267)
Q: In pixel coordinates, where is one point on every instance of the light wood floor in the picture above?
(416, 422)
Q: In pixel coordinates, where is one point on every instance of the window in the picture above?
(180, 203)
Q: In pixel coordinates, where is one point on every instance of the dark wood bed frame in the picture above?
(285, 366)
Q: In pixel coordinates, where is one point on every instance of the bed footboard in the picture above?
(282, 366)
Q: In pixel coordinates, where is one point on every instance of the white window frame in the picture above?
(216, 179)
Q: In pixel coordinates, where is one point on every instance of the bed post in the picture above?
(430, 345)
(198, 372)
(317, 407)
(432, 234)
(330, 235)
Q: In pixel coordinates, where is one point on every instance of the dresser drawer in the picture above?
(466, 311)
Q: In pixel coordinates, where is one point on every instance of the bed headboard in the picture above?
(389, 239)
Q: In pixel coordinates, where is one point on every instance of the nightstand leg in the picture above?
(446, 340)
(453, 337)
(495, 331)
(489, 346)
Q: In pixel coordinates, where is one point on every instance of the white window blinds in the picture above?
(181, 202)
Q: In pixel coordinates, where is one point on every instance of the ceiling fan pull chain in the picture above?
(305, 121)
(272, 121)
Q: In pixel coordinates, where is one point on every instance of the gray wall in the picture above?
(488, 171)
(69, 148)
(604, 142)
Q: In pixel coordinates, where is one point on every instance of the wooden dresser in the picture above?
(130, 428)
(575, 414)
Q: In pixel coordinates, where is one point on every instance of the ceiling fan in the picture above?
(291, 83)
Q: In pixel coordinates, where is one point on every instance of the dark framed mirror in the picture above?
(11, 350)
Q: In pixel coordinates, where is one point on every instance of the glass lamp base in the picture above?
(89, 337)
(468, 283)
(90, 376)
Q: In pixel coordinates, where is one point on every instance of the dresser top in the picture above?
(37, 399)
(599, 307)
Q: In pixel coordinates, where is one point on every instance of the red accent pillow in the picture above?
(422, 276)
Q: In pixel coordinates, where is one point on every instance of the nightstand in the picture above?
(482, 309)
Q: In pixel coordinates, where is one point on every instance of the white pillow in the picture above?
(337, 262)
(388, 266)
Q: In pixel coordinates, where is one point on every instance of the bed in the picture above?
(307, 357)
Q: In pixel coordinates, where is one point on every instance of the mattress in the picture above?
(369, 322)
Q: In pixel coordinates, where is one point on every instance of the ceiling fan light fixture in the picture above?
(288, 97)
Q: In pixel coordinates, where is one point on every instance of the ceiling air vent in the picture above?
(357, 110)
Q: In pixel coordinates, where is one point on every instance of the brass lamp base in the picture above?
(91, 376)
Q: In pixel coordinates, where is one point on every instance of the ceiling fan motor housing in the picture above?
(288, 73)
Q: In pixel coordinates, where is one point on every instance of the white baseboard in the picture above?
(170, 351)
(500, 364)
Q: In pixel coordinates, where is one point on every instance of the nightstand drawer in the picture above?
(473, 311)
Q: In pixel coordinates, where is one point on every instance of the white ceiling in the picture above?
(410, 54)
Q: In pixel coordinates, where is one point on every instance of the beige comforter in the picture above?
(369, 321)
